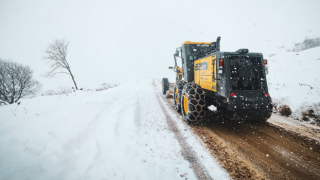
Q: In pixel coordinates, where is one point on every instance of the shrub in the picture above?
(61, 90)
(284, 110)
(106, 86)
(309, 114)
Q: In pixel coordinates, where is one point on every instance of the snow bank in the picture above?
(119, 133)
(294, 79)
(113, 134)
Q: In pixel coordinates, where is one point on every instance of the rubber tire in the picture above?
(165, 85)
(179, 87)
(196, 104)
(269, 107)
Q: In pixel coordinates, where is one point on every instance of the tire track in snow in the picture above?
(129, 105)
(187, 152)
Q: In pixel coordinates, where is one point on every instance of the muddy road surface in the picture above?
(267, 150)
(252, 150)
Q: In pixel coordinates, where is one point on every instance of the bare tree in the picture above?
(56, 54)
(16, 82)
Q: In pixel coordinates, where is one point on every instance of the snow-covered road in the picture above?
(120, 133)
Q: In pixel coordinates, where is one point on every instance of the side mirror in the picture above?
(170, 67)
(177, 53)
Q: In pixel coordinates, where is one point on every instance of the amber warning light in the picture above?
(265, 62)
(220, 71)
(220, 62)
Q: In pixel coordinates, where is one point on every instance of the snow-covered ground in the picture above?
(288, 123)
(119, 133)
(294, 79)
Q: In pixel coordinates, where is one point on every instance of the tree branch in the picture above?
(56, 54)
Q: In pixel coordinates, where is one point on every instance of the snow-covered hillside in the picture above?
(119, 133)
(294, 79)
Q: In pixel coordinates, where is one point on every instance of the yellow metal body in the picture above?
(205, 73)
(176, 96)
(189, 42)
(185, 103)
(179, 73)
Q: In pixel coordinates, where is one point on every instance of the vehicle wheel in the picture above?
(270, 107)
(193, 103)
(165, 85)
(177, 90)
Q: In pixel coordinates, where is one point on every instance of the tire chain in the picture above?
(197, 103)
(178, 86)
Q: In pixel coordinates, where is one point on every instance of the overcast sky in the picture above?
(112, 41)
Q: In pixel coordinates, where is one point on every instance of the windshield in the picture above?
(197, 51)
(246, 73)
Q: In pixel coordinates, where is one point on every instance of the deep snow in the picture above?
(294, 79)
(120, 133)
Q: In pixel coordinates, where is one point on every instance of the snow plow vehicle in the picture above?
(233, 84)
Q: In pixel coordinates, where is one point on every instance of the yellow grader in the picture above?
(234, 84)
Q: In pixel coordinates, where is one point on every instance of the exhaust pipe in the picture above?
(218, 44)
